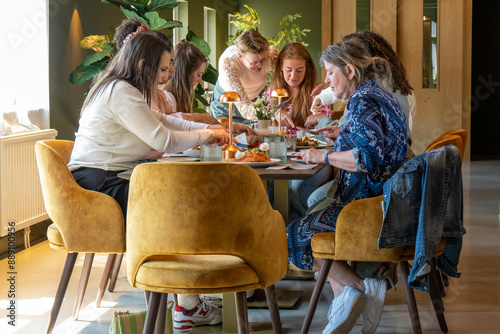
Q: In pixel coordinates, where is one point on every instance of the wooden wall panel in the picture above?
(344, 18)
(384, 18)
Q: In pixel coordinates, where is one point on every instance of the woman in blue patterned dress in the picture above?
(370, 148)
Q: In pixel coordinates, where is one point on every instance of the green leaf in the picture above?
(139, 6)
(155, 22)
(83, 73)
(132, 14)
(211, 75)
(98, 56)
(95, 42)
(161, 5)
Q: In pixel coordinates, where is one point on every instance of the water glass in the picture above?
(277, 150)
(291, 142)
(211, 152)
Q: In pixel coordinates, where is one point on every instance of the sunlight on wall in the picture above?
(24, 56)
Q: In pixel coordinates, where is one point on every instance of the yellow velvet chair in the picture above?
(83, 221)
(200, 228)
(356, 238)
(462, 133)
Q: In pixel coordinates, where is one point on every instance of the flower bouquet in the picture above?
(265, 108)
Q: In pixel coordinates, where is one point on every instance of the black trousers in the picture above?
(106, 182)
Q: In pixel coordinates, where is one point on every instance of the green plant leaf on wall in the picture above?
(83, 73)
(155, 22)
(199, 42)
(161, 5)
(98, 56)
(95, 42)
(139, 6)
(210, 75)
(131, 14)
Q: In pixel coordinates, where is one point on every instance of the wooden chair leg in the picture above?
(318, 287)
(446, 282)
(410, 299)
(116, 270)
(82, 287)
(61, 290)
(105, 278)
(147, 294)
(241, 312)
(435, 295)
(274, 311)
(154, 302)
(162, 313)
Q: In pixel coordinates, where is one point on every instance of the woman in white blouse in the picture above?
(243, 68)
(118, 127)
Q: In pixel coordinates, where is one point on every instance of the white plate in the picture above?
(322, 144)
(259, 164)
(192, 153)
(178, 159)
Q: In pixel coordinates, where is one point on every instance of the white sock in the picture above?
(188, 301)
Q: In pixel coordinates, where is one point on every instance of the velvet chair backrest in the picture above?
(204, 208)
(88, 221)
(462, 133)
(445, 141)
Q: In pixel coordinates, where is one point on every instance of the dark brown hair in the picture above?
(136, 63)
(187, 59)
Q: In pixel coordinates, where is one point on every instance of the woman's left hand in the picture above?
(312, 156)
(313, 120)
(204, 118)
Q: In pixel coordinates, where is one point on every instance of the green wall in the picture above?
(68, 24)
(272, 11)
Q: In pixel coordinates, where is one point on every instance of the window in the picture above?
(24, 57)
(181, 14)
(430, 47)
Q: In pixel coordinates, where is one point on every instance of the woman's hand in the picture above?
(332, 132)
(318, 88)
(221, 136)
(204, 118)
(317, 106)
(215, 126)
(312, 156)
(312, 121)
(287, 121)
(239, 128)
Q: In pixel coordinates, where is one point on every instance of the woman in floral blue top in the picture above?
(370, 148)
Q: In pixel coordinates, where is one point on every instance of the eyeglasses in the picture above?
(255, 63)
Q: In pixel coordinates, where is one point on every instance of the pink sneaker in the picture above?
(202, 314)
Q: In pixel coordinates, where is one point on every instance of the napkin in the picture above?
(294, 165)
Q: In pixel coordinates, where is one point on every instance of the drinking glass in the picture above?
(291, 142)
(277, 150)
(211, 152)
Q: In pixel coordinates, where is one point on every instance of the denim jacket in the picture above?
(422, 203)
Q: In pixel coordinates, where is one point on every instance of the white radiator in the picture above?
(21, 199)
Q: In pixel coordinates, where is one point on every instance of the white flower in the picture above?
(264, 147)
(239, 155)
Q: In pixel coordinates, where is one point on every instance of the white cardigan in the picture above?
(118, 128)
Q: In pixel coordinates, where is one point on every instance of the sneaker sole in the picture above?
(378, 312)
(348, 324)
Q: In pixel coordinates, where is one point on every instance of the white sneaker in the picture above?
(375, 291)
(344, 311)
(202, 314)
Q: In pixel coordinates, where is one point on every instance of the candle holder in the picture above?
(280, 93)
(230, 97)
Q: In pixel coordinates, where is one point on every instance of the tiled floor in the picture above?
(472, 302)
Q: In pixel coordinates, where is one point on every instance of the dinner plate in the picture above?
(260, 163)
(192, 153)
(322, 144)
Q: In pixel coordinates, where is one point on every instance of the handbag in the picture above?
(126, 322)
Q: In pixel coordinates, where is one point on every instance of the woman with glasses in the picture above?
(243, 68)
